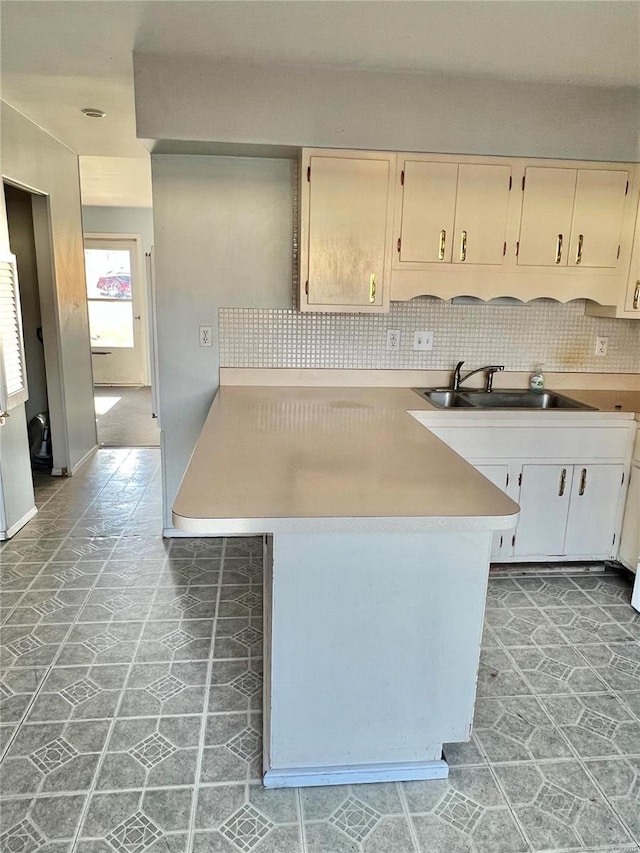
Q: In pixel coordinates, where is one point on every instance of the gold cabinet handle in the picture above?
(563, 482)
(463, 246)
(636, 296)
(579, 252)
(559, 249)
(583, 482)
(443, 241)
(372, 288)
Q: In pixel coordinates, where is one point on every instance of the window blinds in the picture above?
(13, 374)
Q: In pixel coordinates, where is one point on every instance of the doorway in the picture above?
(117, 302)
(22, 239)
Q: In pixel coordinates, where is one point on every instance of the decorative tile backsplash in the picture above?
(518, 336)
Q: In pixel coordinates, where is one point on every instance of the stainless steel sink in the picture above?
(445, 398)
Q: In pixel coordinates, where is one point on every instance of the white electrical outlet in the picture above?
(393, 339)
(423, 340)
(205, 336)
(602, 345)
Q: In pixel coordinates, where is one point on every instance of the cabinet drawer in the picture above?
(551, 442)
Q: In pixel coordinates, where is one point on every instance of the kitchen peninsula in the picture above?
(379, 538)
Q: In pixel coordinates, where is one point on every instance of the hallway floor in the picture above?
(124, 416)
(131, 695)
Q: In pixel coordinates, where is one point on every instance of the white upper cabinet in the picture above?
(547, 211)
(376, 226)
(449, 212)
(572, 217)
(345, 246)
(428, 211)
(625, 300)
(481, 213)
(597, 218)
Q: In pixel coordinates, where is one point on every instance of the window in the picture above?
(13, 374)
(109, 296)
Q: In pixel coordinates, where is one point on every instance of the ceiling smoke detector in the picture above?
(92, 112)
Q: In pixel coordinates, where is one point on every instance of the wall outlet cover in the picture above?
(423, 340)
(205, 336)
(602, 345)
(393, 339)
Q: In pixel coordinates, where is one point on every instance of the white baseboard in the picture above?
(84, 459)
(7, 534)
(174, 533)
(64, 472)
(306, 777)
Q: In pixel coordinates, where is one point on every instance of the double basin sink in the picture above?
(445, 398)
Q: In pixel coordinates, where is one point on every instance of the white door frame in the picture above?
(47, 288)
(142, 289)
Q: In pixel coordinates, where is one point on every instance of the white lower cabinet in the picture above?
(502, 477)
(569, 476)
(630, 538)
(597, 498)
(569, 511)
(544, 505)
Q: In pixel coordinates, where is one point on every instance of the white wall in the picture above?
(119, 220)
(222, 230)
(36, 161)
(196, 99)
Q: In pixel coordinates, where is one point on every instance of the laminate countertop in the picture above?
(285, 459)
(607, 401)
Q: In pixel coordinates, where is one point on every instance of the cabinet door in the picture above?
(593, 510)
(597, 218)
(348, 216)
(481, 213)
(632, 296)
(547, 213)
(499, 476)
(428, 211)
(630, 535)
(545, 492)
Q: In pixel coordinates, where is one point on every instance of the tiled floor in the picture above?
(130, 697)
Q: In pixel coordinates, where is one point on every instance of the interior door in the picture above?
(115, 298)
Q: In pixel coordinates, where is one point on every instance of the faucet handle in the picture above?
(494, 368)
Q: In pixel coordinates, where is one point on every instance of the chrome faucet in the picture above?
(489, 369)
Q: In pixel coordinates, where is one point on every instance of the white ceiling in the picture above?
(60, 56)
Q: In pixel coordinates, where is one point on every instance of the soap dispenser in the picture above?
(536, 380)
